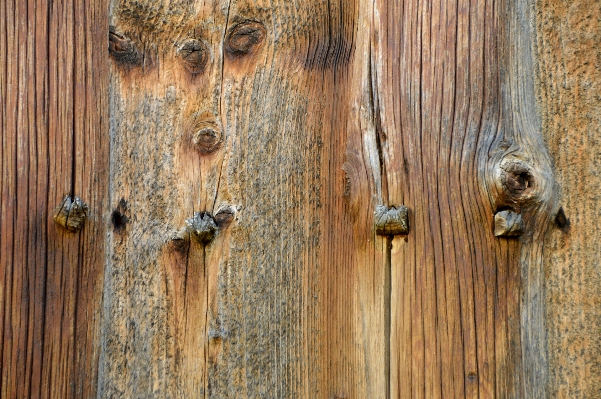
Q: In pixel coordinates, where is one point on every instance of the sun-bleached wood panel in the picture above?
(569, 53)
(288, 300)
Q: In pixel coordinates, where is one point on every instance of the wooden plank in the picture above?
(569, 96)
(287, 301)
(53, 118)
(455, 104)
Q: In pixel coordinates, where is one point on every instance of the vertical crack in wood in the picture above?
(205, 336)
(387, 312)
(383, 197)
(220, 107)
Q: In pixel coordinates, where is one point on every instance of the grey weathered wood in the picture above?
(287, 300)
(569, 89)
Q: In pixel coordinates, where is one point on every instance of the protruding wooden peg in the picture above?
(71, 213)
(508, 224)
(202, 227)
(391, 220)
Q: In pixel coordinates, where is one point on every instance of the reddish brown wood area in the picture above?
(53, 119)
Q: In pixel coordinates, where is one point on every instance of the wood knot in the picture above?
(119, 217)
(562, 221)
(202, 227)
(71, 214)
(123, 49)
(391, 220)
(244, 37)
(517, 178)
(508, 224)
(206, 134)
(194, 55)
(225, 216)
(519, 184)
(347, 186)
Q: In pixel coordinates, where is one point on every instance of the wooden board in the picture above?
(54, 114)
(455, 103)
(569, 89)
(288, 299)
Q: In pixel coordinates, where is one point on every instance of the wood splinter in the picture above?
(392, 220)
(71, 213)
(508, 224)
(202, 227)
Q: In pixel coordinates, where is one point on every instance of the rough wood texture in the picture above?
(271, 308)
(460, 141)
(53, 119)
(251, 143)
(322, 112)
(569, 69)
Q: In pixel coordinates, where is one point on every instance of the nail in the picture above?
(508, 224)
(202, 227)
(71, 214)
(391, 220)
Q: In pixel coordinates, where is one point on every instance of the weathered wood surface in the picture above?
(569, 73)
(460, 141)
(53, 121)
(335, 108)
(288, 123)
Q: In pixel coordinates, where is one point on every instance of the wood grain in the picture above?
(337, 108)
(569, 90)
(53, 81)
(300, 118)
(455, 110)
